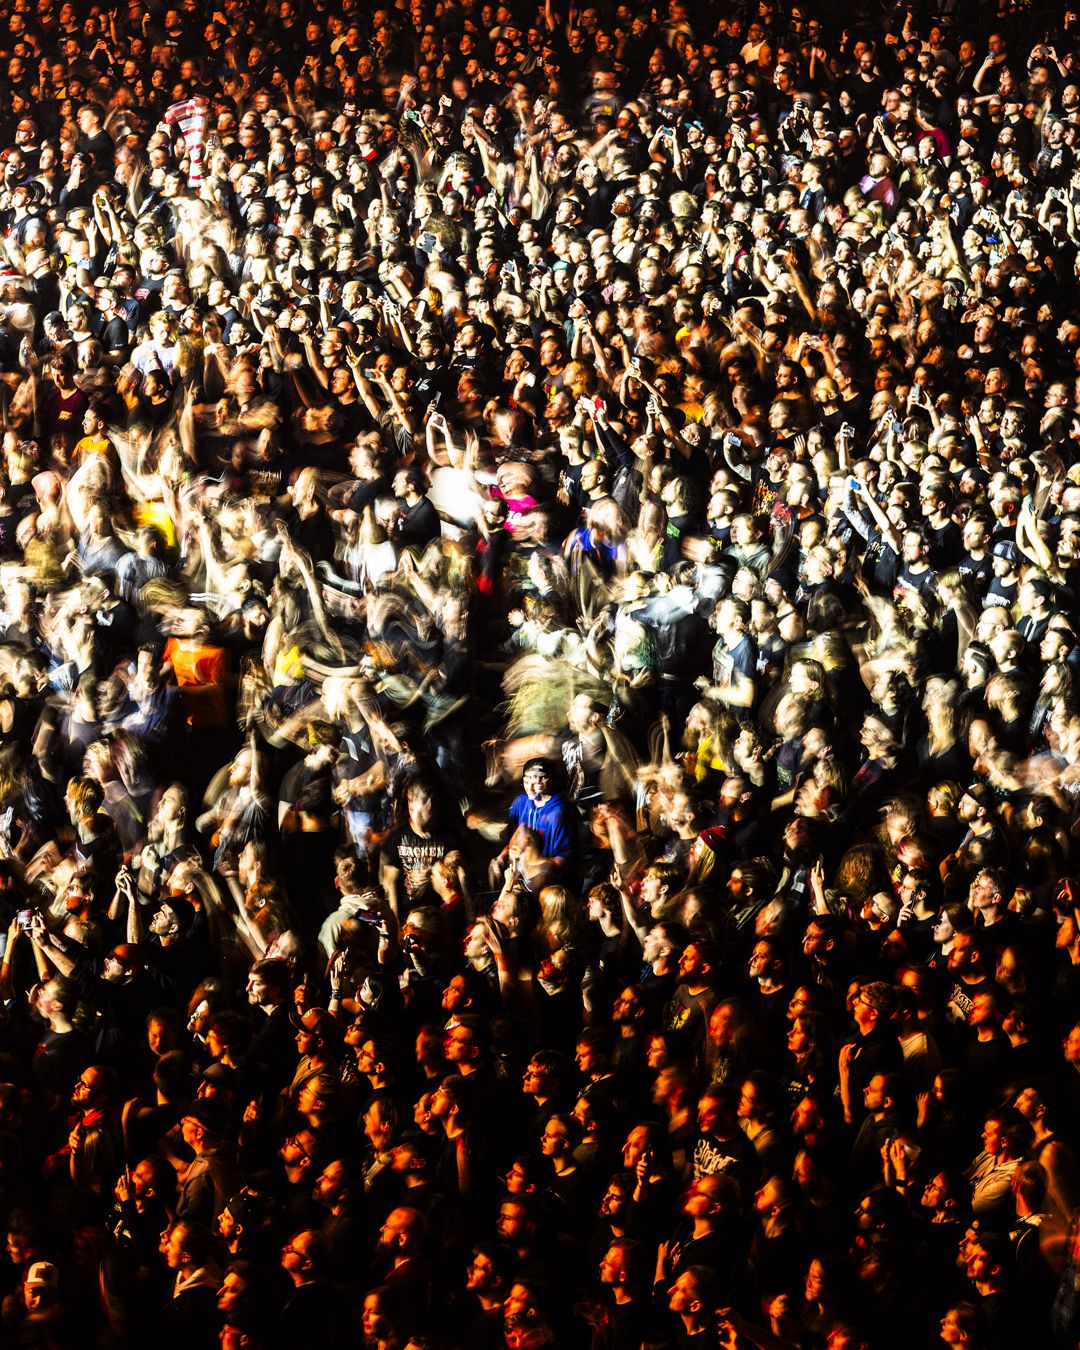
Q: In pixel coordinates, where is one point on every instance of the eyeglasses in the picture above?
(294, 1142)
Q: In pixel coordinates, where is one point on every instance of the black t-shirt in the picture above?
(946, 544)
(414, 857)
(101, 150)
(313, 533)
(688, 1014)
(421, 524)
(878, 1052)
(741, 660)
(881, 564)
(1001, 591)
(977, 570)
(734, 1156)
(433, 378)
(366, 493)
(921, 583)
(307, 791)
(98, 852)
(116, 336)
(59, 1058)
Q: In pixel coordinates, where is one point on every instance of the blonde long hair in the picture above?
(560, 916)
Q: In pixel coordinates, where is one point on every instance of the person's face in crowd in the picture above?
(975, 535)
(480, 1274)
(512, 1227)
(913, 547)
(1069, 537)
(800, 1038)
(332, 1184)
(296, 1151)
(306, 1042)
(874, 1094)
(815, 942)
(684, 1296)
(992, 1137)
(1053, 647)
(1071, 1045)
(375, 1323)
(518, 1180)
(615, 1202)
(655, 945)
(554, 1139)
(258, 991)
(164, 923)
(962, 955)
(536, 782)
(761, 961)
(421, 810)
(172, 1246)
(638, 1145)
(159, 1035)
(458, 1044)
(866, 1017)
(536, 1081)
(982, 1012)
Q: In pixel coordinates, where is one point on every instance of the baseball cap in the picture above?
(1005, 548)
(208, 1112)
(249, 1207)
(43, 1273)
(982, 794)
(316, 1021)
(219, 1075)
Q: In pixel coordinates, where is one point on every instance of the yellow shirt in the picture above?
(154, 513)
(93, 445)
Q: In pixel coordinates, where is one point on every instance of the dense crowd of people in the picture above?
(539, 738)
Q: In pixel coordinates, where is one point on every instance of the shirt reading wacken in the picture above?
(414, 856)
